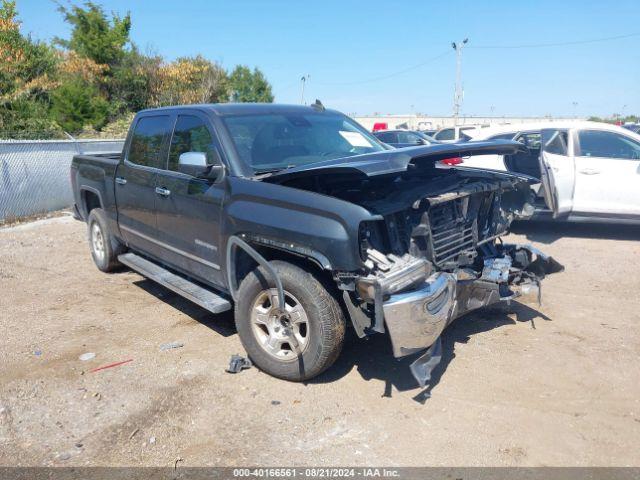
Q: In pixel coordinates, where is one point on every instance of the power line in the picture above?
(558, 44)
(390, 75)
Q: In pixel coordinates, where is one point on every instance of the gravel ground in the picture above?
(552, 385)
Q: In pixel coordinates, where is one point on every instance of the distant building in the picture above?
(423, 122)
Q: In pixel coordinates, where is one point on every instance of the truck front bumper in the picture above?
(415, 319)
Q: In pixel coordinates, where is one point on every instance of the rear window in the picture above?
(147, 141)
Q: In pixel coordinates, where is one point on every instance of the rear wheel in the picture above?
(105, 248)
(296, 342)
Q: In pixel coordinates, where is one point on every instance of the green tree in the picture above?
(133, 79)
(26, 68)
(76, 104)
(94, 35)
(248, 86)
(190, 80)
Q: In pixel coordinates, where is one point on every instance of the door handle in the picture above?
(163, 191)
(589, 171)
(121, 181)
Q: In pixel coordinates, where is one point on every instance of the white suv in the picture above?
(587, 169)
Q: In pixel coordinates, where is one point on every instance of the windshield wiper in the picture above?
(273, 170)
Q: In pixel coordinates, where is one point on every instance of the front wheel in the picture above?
(296, 342)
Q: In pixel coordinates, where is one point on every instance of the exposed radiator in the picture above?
(452, 235)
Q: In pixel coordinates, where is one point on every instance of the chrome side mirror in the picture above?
(193, 163)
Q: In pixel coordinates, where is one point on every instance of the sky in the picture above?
(366, 57)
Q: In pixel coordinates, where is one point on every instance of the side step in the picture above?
(191, 291)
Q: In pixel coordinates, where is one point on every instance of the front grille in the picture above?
(452, 234)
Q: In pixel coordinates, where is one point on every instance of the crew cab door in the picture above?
(188, 208)
(607, 173)
(557, 171)
(135, 181)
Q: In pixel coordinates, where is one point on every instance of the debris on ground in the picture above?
(168, 346)
(238, 363)
(275, 402)
(175, 464)
(111, 365)
(152, 440)
(37, 353)
(87, 356)
(133, 434)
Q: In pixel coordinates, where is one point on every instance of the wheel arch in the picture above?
(241, 262)
(90, 198)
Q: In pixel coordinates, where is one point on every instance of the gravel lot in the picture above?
(556, 385)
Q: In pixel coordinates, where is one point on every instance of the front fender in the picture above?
(314, 225)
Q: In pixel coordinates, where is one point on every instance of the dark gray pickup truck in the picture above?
(303, 222)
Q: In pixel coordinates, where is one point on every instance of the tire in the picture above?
(104, 247)
(319, 340)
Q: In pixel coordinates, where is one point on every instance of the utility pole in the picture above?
(303, 81)
(457, 96)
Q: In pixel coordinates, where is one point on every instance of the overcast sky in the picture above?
(396, 57)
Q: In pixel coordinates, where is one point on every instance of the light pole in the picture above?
(303, 81)
(457, 96)
(575, 106)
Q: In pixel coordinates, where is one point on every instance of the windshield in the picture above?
(276, 141)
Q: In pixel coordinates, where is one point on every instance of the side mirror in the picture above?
(421, 141)
(195, 164)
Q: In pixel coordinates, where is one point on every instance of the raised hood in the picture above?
(397, 160)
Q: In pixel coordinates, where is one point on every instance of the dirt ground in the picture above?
(556, 385)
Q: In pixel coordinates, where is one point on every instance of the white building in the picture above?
(423, 122)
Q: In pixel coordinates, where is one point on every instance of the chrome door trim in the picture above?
(173, 249)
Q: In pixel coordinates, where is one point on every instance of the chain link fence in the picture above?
(34, 174)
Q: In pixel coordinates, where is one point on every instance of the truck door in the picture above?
(607, 173)
(557, 171)
(135, 182)
(188, 208)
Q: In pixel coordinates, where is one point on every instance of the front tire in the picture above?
(303, 342)
(104, 247)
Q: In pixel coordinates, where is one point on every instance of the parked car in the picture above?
(634, 127)
(453, 134)
(404, 138)
(590, 170)
(299, 219)
(429, 132)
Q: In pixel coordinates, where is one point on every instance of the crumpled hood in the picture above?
(398, 160)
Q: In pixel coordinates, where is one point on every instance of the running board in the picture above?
(191, 291)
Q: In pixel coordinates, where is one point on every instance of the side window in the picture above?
(597, 143)
(446, 134)
(147, 141)
(558, 143)
(463, 136)
(387, 137)
(190, 135)
(406, 137)
(531, 140)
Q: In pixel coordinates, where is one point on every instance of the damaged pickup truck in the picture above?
(303, 222)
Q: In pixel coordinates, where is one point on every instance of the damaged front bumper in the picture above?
(416, 318)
